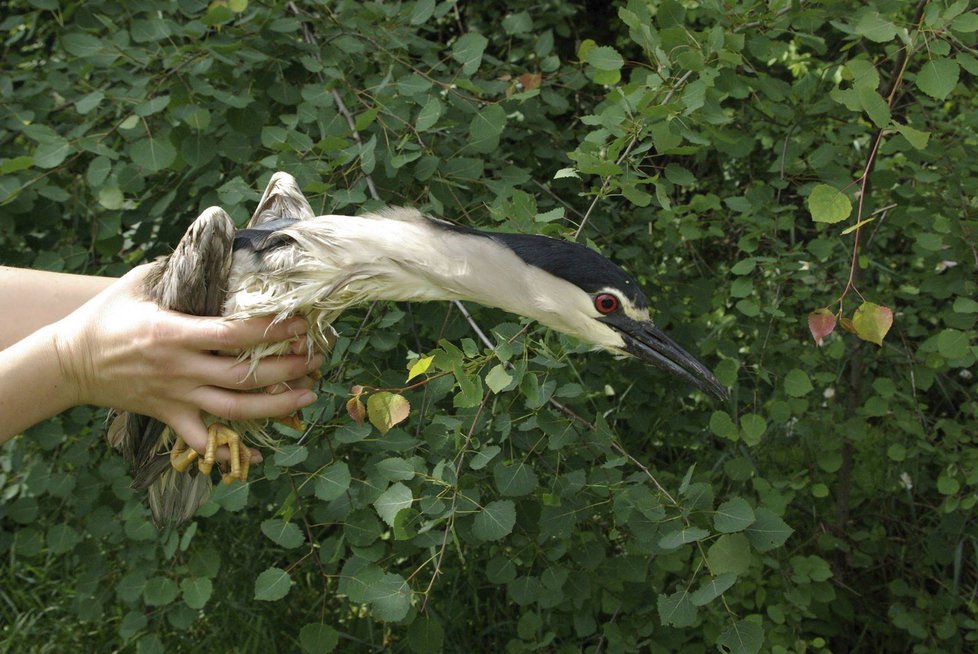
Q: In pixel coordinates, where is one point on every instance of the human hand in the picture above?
(122, 351)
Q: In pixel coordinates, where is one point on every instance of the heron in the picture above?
(288, 261)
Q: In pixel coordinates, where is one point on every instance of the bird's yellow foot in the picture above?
(182, 456)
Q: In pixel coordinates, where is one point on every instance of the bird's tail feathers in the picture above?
(174, 497)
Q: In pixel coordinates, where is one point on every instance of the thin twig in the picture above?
(628, 150)
(472, 323)
(450, 524)
(340, 105)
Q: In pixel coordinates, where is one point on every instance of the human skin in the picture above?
(77, 339)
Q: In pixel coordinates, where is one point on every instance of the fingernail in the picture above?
(316, 362)
(298, 327)
(306, 398)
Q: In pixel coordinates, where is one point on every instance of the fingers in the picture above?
(233, 405)
(216, 371)
(223, 335)
(301, 383)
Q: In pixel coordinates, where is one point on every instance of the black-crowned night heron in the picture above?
(290, 262)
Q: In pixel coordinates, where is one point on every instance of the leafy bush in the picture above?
(750, 163)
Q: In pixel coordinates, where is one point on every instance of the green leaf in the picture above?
(947, 485)
(680, 537)
(712, 588)
(482, 458)
(797, 383)
(316, 637)
(768, 531)
(290, 455)
(152, 106)
(81, 45)
(730, 553)
(495, 521)
(153, 154)
(98, 169)
(874, 27)
(467, 50)
(864, 74)
(273, 584)
(392, 500)
(872, 322)
(953, 344)
(422, 11)
(676, 609)
(938, 77)
(386, 410)
(485, 129)
(498, 378)
(429, 114)
(514, 480)
(470, 387)
(520, 23)
(753, 427)
(389, 598)
(284, 534)
(396, 469)
(742, 637)
(89, 102)
(875, 106)
(604, 58)
(828, 205)
(733, 515)
(915, 137)
(196, 591)
(723, 425)
(160, 591)
(51, 154)
(62, 538)
(333, 481)
(965, 23)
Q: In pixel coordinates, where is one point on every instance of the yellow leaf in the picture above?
(386, 410)
(871, 322)
(420, 367)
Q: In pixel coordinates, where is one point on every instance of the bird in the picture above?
(287, 261)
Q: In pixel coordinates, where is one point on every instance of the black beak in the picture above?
(647, 342)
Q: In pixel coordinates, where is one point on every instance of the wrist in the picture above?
(33, 386)
(65, 344)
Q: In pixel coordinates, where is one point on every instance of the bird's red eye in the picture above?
(606, 303)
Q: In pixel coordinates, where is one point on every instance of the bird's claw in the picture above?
(181, 456)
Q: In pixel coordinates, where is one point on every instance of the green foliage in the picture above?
(527, 495)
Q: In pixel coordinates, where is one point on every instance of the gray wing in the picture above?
(282, 200)
(192, 280)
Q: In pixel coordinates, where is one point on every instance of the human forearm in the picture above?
(32, 386)
(31, 299)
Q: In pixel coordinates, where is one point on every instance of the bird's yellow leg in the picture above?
(181, 456)
(217, 435)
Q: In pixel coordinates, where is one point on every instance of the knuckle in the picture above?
(226, 334)
(231, 408)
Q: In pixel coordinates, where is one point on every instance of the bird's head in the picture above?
(593, 299)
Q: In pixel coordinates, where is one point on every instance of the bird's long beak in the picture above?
(649, 343)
